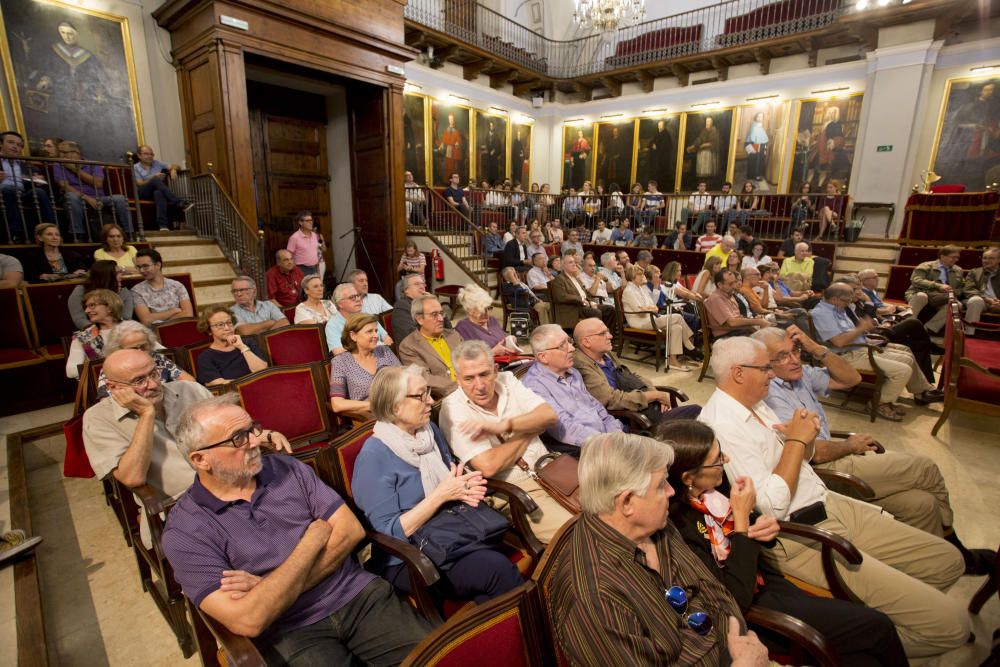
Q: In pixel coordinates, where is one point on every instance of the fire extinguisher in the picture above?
(438, 264)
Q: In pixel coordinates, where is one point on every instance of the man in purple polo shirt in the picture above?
(83, 185)
(264, 547)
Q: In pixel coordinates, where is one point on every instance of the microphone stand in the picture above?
(359, 240)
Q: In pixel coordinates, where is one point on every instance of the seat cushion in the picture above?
(12, 357)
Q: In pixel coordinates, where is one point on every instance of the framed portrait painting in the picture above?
(760, 145)
(71, 75)
(414, 136)
(707, 136)
(656, 159)
(615, 154)
(520, 153)
(967, 141)
(450, 139)
(578, 154)
(491, 148)
(826, 134)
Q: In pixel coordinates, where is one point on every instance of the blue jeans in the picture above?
(14, 199)
(77, 224)
(162, 196)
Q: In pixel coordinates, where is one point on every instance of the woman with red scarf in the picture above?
(731, 539)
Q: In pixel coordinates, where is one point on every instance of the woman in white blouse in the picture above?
(704, 282)
(315, 309)
(637, 301)
(758, 255)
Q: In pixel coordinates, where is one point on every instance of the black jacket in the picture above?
(35, 263)
(512, 256)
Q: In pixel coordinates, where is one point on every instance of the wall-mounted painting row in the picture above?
(443, 138)
(967, 140)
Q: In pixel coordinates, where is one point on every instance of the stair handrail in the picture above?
(431, 214)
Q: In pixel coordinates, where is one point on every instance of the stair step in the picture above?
(853, 265)
(191, 253)
(208, 294)
(205, 271)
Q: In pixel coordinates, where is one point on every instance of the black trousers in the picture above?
(911, 333)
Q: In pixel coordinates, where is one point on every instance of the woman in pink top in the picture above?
(305, 244)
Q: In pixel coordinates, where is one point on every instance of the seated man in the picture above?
(723, 311)
(646, 239)
(699, 206)
(540, 275)
(752, 287)
(347, 300)
(709, 239)
(572, 242)
(572, 207)
(284, 280)
(11, 271)
(653, 205)
(614, 385)
(158, 298)
(801, 263)
(430, 345)
(83, 185)
(493, 425)
(493, 242)
(607, 594)
(371, 303)
(521, 297)
(622, 235)
(869, 285)
(909, 487)
(19, 187)
(613, 270)
(602, 234)
(570, 299)
(722, 250)
(402, 322)
(905, 572)
(151, 177)
(931, 283)
(294, 589)
(787, 248)
(680, 238)
(515, 253)
(836, 330)
(595, 282)
(253, 316)
(536, 244)
(553, 377)
(981, 289)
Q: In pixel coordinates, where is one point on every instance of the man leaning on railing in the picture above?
(416, 201)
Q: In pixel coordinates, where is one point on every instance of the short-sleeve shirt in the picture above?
(264, 311)
(375, 304)
(304, 313)
(349, 380)
(720, 307)
(335, 329)
(455, 193)
(8, 264)
(205, 535)
(304, 249)
(785, 397)
(830, 322)
(791, 265)
(158, 301)
(284, 287)
(63, 175)
(215, 364)
(513, 400)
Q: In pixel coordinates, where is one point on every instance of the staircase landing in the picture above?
(869, 252)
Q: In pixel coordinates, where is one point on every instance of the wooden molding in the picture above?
(720, 64)
(613, 85)
(763, 59)
(472, 71)
(681, 73)
(501, 78)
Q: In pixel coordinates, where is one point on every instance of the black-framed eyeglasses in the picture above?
(239, 439)
(719, 462)
(698, 621)
(785, 357)
(766, 368)
(241, 290)
(422, 396)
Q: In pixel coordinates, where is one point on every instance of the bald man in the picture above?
(284, 280)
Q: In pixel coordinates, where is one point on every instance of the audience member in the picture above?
(622, 235)
(572, 207)
(567, 291)
(803, 209)
(515, 253)
(352, 371)
(430, 345)
(572, 243)
(284, 280)
(828, 209)
(536, 243)
(931, 285)
(228, 357)
(641, 313)
(295, 589)
(981, 289)
(371, 303)
(83, 188)
(103, 275)
(253, 316)
(103, 309)
(314, 309)
(801, 263)
(348, 302)
(479, 324)
(746, 240)
(113, 247)
(306, 244)
(785, 293)
(416, 201)
(454, 195)
(905, 571)
(595, 282)
(412, 262)
(607, 594)
(725, 205)
(402, 322)
(699, 205)
(405, 475)
(11, 271)
(709, 239)
(724, 316)
(730, 538)
(602, 234)
(151, 183)
(757, 294)
(15, 175)
(521, 297)
(756, 255)
(646, 239)
(158, 298)
(539, 275)
(680, 238)
(50, 262)
(723, 250)
(869, 285)
(788, 245)
(704, 282)
(553, 377)
(612, 270)
(132, 335)
(492, 241)
(653, 205)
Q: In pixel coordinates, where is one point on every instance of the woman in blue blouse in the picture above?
(405, 474)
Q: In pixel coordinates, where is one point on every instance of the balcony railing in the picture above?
(723, 26)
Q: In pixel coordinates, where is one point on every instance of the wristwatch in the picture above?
(822, 356)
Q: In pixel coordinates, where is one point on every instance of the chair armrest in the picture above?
(802, 635)
(829, 543)
(151, 500)
(239, 650)
(676, 395)
(521, 505)
(416, 562)
(843, 435)
(637, 422)
(845, 484)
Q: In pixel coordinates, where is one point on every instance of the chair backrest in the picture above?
(543, 575)
(898, 282)
(14, 332)
(179, 332)
(296, 344)
(191, 354)
(287, 399)
(954, 343)
(340, 457)
(48, 312)
(386, 318)
(619, 309)
(289, 313)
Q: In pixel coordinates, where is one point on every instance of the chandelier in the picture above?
(608, 15)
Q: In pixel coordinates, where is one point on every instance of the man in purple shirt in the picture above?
(264, 547)
(84, 184)
(553, 377)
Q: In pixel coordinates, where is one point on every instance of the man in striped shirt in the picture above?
(614, 590)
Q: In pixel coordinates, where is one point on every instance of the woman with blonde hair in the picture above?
(104, 310)
(704, 282)
(479, 324)
(637, 302)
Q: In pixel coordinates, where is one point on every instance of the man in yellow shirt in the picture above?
(802, 262)
(722, 250)
(430, 345)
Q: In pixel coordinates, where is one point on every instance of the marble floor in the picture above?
(96, 613)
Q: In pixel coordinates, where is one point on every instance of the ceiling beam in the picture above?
(763, 60)
(645, 80)
(681, 73)
(442, 53)
(500, 79)
(866, 34)
(808, 45)
(522, 88)
(586, 91)
(613, 85)
(471, 71)
(720, 64)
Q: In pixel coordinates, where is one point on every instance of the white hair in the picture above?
(613, 463)
(125, 328)
(608, 257)
(803, 244)
(730, 352)
(340, 291)
(475, 299)
(190, 432)
(470, 350)
(769, 335)
(543, 335)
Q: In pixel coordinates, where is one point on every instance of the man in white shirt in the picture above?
(602, 234)
(698, 205)
(371, 303)
(492, 424)
(595, 281)
(725, 206)
(905, 571)
(416, 201)
(540, 274)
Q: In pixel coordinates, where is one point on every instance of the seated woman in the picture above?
(704, 282)
(667, 288)
(637, 301)
(104, 310)
(103, 274)
(315, 309)
(412, 261)
(828, 210)
(113, 247)
(49, 262)
(803, 208)
(132, 335)
(228, 358)
(479, 324)
(758, 255)
(406, 474)
(352, 371)
(729, 538)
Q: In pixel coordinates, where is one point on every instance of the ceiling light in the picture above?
(499, 110)
(458, 98)
(654, 112)
(762, 97)
(611, 115)
(608, 15)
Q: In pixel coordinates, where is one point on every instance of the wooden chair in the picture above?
(289, 313)
(504, 632)
(218, 646)
(707, 339)
(296, 344)
(180, 332)
(190, 353)
(628, 334)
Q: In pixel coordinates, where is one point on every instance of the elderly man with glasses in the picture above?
(348, 301)
(253, 316)
(905, 573)
(431, 345)
(294, 588)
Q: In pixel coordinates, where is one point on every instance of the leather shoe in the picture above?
(929, 396)
(979, 561)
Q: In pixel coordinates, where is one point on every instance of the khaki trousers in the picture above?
(909, 487)
(939, 301)
(905, 573)
(680, 333)
(550, 515)
(901, 370)
(544, 313)
(974, 309)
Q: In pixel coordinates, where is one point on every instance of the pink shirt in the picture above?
(305, 250)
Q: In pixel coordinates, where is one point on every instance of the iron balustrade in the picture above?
(699, 31)
(456, 229)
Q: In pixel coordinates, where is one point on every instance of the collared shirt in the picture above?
(580, 414)
(12, 172)
(304, 249)
(588, 282)
(792, 265)
(143, 173)
(988, 283)
(284, 287)
(492, 243)
(614, 279)
(160, 300)
(754, 448)
(718, 251)
(263, 311)
(785, 397)
(698, 202)
(873, 295)
(831, 321)
(608, 605)
(205, 535)
(538, 277)
(942, 273)
(440, 345)
(725, 202)
(61, 173)
(572, 204)
(720, 307)
(335, 328)
(374, 304)
(622, 236)
(513, 400)
(569, 245)
(601, 235)
(534, 249)
(578, 284)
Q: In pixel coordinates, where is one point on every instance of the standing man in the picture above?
(284, 280)
(158, 298)
(15, 177)
(431, 345)
(151, 183)
(306, 245)
(981, 289)
(253, 316)
(932, 283)
(347, 299)
(83, 184)
(373, 304)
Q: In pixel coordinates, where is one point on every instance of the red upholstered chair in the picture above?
(898, 283)
(386, 319)
(289, 314)
(180, 332)
(504, 632)
(15, 341)
(190, 354)
(296, 344)
(48, 315)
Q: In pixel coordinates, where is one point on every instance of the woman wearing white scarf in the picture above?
(401, 481)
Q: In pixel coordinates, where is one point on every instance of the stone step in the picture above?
(853, 265)
(207, 294)
(205, 270)
(200, 250)
(884, 254)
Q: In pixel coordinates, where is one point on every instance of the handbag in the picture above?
(458, 530)
(76, 463)
(558, 475)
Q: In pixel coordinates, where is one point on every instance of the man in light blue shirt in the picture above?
(14, 174)
(622, 235)
(253, 316)
(348, 300)
(151, 181)
(371, 303)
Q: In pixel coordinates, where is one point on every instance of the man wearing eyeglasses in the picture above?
(253, 316)
(431, 345)
(158, 298)
(265, 548)
(348, 301)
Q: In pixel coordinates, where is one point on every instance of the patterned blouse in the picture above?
(349, 380)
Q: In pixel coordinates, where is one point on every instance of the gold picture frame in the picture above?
(647, 165)
(424, 138)
(850, 106)
(770, 166)
(572, 171)
(623, 125)
(958, 131)
(502, 170)
(728, 116)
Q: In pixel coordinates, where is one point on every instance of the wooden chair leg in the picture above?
(945, 412)
(985, 592)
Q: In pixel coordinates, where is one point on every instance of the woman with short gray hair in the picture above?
(479, 324)
(132, 335)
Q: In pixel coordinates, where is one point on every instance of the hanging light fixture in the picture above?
(608, 15)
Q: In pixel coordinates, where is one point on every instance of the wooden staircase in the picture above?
(211, 273)
(869, 252)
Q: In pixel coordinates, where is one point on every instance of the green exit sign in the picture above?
(885, 148)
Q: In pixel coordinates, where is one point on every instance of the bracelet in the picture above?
(243, 349)
(802, 442)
